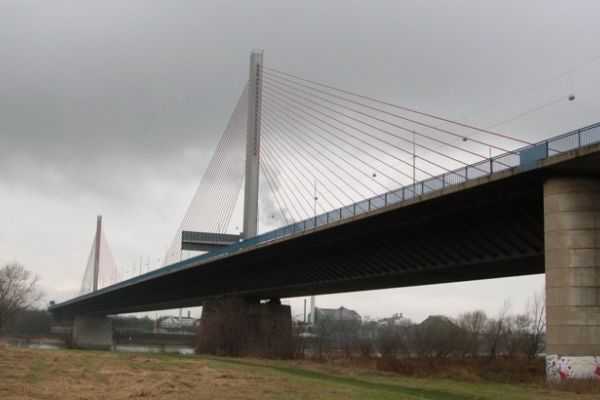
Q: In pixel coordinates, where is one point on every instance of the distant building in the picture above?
(334, 329)
(438, 322)
(340, 316)
(395, 320)
(177, 323)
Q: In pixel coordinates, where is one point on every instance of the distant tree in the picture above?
(536, 323)
(18, 290)
(514, 334)
(325, 331)
(392, 343)
(473, 325)
(28, 323)
(436, 336)
(132, 323)
(495, 330)
(367, 337)
(393, 339)
(299, 342)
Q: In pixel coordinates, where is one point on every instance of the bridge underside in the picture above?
(470, 235)
(488, 231)
(490, 228)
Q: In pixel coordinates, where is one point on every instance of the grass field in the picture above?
(71, 374)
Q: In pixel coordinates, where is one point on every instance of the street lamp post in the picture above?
(414, 157)
(315, 202)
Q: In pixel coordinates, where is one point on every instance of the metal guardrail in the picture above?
(556, 145)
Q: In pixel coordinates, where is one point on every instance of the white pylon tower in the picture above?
(101, 269)
(253, 145)
(97, 253)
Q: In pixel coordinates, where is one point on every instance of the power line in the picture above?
(414, 131)
(397, 106)
(283, 101)
(283, 164)
(316, 150)
(275, 196)
(347, 152)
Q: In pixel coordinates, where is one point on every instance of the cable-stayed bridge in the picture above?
(375, 195)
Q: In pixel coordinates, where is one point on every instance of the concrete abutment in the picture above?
(572, 258)
(236, 326)
(93, 333)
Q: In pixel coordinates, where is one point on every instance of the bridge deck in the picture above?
(482, 221)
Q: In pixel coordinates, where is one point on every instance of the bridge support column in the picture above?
(94, 333)
(235, 326)
(572, 253)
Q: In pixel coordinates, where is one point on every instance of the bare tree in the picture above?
(25, 323)
(18, 290)
(436, 336)
(299, 338)
(368, 336)
(495, 330)
(513, 334)
(536, 318)
(473, 325)
(392, 343)
(325, 331)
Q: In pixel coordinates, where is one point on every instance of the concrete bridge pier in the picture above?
(237, 326)
(572, 258)
(93, 332)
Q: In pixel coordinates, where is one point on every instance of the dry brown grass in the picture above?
(51, 374)
(70, 374)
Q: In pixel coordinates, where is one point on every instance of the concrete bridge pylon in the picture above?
(572, 257)
(234, 325)
(253, 145)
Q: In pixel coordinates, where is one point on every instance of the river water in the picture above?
(53, 344)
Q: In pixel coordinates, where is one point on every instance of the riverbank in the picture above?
(74, 374)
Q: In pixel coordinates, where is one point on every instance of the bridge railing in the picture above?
(559, 144)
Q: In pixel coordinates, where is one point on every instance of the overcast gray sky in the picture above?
(115, 107)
